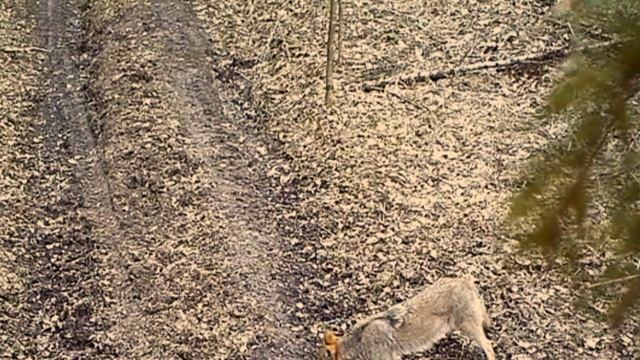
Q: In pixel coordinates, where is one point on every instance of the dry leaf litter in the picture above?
(173, 187)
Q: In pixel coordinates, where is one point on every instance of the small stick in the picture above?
(476, 40)
(405, 100)
(613, 281)
(11, 49)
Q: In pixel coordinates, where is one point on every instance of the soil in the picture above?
(172, 186)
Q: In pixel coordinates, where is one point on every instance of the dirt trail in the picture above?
(201, 249)
(219, 134)
(153, 228)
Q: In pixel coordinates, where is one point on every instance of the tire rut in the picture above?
(202, 250)
(255, 253)
(71, 200)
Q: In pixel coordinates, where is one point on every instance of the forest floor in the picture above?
(173, 187)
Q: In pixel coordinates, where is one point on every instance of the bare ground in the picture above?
(173, 188)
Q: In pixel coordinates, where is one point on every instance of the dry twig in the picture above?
(13, 50)
(613, 281)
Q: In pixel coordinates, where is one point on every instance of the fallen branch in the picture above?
(613, 281)
(499, 64)
(13, 50)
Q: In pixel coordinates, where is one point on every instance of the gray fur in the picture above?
(416, 324)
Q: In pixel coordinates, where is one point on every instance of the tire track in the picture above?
(202, 259)
(258, 245)
(71, 201)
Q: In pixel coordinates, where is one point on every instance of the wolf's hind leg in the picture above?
(476, 333)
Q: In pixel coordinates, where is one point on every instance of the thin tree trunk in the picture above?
(329, 98)
(340, 31)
